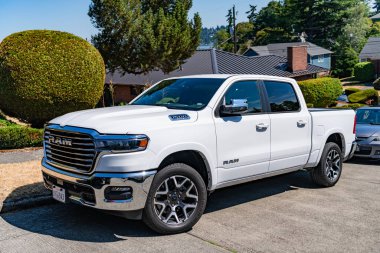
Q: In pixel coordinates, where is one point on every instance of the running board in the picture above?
(257, 177)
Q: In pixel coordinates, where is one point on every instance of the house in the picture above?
(212, 61)
(375, 18)
(316, 55)
(371, 52)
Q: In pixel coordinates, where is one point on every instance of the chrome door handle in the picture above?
(262, 126)
(301, 123)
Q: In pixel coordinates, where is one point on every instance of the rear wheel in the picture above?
(329, 169)
(176, 200)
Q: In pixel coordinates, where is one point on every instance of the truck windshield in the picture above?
(183, 93)
(368, 116)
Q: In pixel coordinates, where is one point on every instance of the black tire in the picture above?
(327, 173)
(151, 214)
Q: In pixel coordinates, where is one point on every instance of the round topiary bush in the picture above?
(44, 74)
(365, 96)
(364, 71)
(321, 92)
(350, 91)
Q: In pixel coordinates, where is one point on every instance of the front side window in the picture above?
(183, 93)
(368, 116)
(282, 97)
(248, 90)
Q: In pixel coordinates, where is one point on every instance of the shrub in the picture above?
(376, 84)
(352, 106)
(364, 71)
(15, 136)
(350, 91)
(44, 74)
(321, 92)
(364, 96)
(344, 61)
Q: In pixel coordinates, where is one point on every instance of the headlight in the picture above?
(126, 143)
(377, 138)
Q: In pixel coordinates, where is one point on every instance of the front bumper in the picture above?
(90, 190)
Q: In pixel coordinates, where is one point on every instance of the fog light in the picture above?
(118, 193)
(377, 152)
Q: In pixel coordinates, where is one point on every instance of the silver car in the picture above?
(368, 132)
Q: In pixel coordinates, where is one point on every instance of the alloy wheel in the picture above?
(333, 164)
(175, 200)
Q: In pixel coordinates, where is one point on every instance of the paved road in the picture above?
(283, 214)
(21, 155)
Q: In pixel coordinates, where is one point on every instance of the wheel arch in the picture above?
(195, 159)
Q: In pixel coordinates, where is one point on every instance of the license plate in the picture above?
(59, 194)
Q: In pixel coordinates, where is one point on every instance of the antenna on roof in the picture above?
(303, 37)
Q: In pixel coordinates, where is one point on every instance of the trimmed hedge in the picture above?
(364, 71)
(15, 136)
(376, 84)
(321, 92)
(44, 74)
(352, 106)
(364, 96)
(350, 91)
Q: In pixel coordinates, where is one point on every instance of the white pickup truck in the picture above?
(159, 157)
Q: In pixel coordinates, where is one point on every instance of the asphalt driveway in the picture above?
(282, 214)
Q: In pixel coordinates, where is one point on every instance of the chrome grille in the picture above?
(69, 150)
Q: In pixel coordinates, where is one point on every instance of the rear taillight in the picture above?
(354, 130)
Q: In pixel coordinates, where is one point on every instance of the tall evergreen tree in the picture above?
(252, 13)
(137, 36)
(376, 6)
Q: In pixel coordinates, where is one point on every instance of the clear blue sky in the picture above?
(71, 15)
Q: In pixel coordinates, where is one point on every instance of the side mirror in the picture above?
(237, 107)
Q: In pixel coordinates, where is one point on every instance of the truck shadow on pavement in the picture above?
(77, 223)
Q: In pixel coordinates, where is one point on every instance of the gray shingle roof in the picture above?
(280, 49)
(377, 16)
(213, 61)
(229, 63)
(371, 50)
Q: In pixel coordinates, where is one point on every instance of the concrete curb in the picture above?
(25, 203)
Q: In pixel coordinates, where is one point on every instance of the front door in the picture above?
(243, 141)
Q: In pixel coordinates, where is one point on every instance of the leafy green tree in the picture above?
(325, 21)
(244, 35)
(344, 62)
(223, 41)
(357, 27)
(272, 25)
(375, 30)
(271, 35)
(272, 16)
(138, 36)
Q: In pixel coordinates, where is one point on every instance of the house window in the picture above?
(321, 58)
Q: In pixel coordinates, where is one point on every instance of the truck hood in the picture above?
(131, 119)
(367, 130)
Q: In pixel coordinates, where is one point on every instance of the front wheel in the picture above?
(176, 200)
(329, 169)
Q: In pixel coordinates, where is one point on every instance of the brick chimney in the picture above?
(297, 58)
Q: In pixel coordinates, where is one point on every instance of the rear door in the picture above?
(290, 127)
(243, 141)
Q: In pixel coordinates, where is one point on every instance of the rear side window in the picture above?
(245, 90)
(282, 97)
